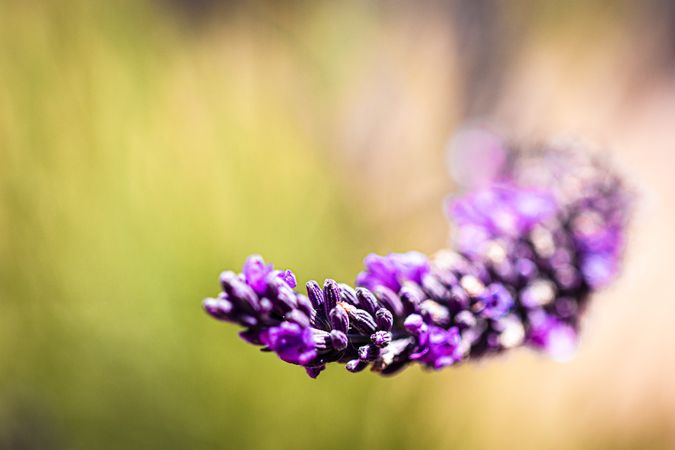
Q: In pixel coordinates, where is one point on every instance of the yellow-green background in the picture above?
(147, 145)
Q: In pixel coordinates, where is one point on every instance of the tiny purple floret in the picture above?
(291, 342)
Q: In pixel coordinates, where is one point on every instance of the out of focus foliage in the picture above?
(145, 146)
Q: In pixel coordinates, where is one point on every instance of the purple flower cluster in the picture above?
(531, 247)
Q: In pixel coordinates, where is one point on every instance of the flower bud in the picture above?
(435, 288)
(538, 293)
(411, 297)
(347, 294)
(305, 305)
(339, 340)
(434, 312)
(459, 298)
(465, 319)
(366, 300)
(389, 300)
(283, 298)
(339, 320)
(226, 277)
(331, 295)
(494, 302)
(384, 319)
(414, 324)
(362, 321)
(322, 339)
(218, 308)
(239, 291)
(381, 338)
(315, 295)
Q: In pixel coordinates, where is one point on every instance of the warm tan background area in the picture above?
(147, 145)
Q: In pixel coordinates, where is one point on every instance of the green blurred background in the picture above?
(147, 145)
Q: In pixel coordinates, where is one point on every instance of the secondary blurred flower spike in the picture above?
(534, 235)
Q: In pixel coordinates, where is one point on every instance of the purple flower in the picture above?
(414, 324)
(500, 210)
(438, 347)
(256, 274)
(392, 270)
(533, 246)
(292, 343)
(503, 209)
(288, 277)
(495, 301)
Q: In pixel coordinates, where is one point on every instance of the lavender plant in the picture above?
(530, 247)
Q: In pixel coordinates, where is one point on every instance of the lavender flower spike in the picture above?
(532, 245)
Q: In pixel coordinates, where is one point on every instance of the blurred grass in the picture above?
(141, 154)
(135, 166)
